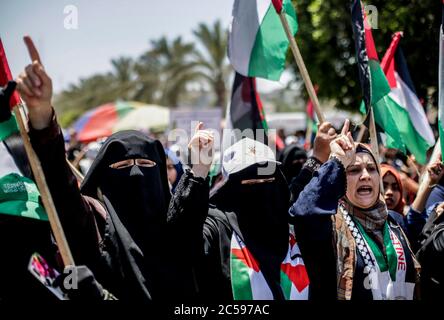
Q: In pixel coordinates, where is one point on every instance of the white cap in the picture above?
(245, 153)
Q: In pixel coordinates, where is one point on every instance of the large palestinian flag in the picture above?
(411, 119)
(375, 87)
(257, 44)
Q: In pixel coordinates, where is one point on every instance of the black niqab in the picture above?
(262, 216)
(139, 196)
(292, 159)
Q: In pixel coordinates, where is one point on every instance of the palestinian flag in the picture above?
(311, 123)
(8, 127)
(441, 84)
(5, 75)
(411, 119)
(312, 120)
(248, 282)
(257, 43)
(374, 84)
(244, 113)
(294, 276)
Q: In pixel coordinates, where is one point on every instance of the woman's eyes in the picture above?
(122, 164)
(354, 170)
(131, 162)
(145, 163)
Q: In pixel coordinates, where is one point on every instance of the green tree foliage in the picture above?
(213, 61)
(325, 38)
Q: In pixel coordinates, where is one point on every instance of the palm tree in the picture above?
(88, 93)
(123, 77)
(213, 62)
(148, 74)
(178, 68)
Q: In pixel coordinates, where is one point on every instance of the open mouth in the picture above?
(365, 190)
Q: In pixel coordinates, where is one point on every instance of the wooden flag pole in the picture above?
(361, 133)
(425, 179)
(373, 137)
(308, 134)
(76, 172)
(425, 188)
(302, 69)
(40, 180)
(374, 146)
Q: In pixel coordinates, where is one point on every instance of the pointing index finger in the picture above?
(32, 50)
(346, 127)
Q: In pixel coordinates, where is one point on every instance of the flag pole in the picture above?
(361, 133)
(74, 170)
(302, 69)
(47, 200)
(373, 137)
(308, 135)
(374, 146)
(425, 179)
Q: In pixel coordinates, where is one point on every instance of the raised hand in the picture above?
(343, 147)
(321, 147)
(436, 171)
(35, 87)
(201, 151)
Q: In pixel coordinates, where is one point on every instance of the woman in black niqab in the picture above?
(137, 198)
(261, 211)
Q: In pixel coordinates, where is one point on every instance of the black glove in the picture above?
(5, 97)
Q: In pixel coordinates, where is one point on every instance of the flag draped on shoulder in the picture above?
(408, 111)
(249, 283)
(441, 84)
(257, 44)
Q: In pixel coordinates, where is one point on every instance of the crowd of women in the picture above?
(334, 225)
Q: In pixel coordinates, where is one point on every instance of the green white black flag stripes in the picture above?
(389, 91)
(411, 120)
(257, 43)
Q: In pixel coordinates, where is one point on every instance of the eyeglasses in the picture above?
(133, 162)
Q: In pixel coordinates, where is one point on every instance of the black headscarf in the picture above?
(139, 195)
(291, 166)
(261, 211)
